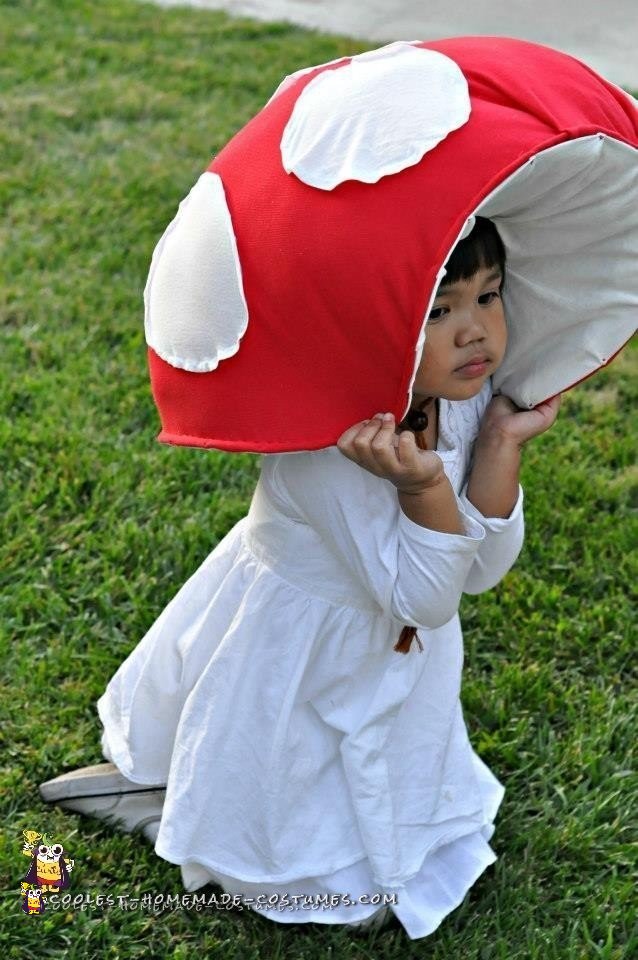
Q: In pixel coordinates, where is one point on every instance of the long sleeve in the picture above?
(414, 574)
(503, 535)
(499, 549)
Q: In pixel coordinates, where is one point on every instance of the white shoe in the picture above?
(102, 791)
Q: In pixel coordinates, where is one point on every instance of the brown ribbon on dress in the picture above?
(417, 421)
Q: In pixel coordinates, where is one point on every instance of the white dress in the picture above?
(302, 754)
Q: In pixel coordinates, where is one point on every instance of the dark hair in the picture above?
(482, 248)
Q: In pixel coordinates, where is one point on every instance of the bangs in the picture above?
(483, 248)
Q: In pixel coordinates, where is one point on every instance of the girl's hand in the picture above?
(504, 419)
(374, 445)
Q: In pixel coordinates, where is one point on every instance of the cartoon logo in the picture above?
(48, 871)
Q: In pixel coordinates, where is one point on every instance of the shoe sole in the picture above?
(99, 780)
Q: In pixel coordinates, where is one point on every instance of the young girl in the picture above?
(291, 724)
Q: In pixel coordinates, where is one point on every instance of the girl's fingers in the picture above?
(549, 409)
(369, 443)
(359, 434)
(375, 445)
(352, 431)
(406, 446)
(382, 447)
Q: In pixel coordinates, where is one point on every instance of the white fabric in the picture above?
(569, 228)
(470, 223)
(376, 115)
(291, 78)
(195, 309)
(569, 220)
(300, 751)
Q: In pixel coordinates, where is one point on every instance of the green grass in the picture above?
(110, 112)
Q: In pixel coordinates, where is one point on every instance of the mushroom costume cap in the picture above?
(288, 297)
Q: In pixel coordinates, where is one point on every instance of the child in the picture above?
(291, 724)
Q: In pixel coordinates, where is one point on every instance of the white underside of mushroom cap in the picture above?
(195, 311)
(374, 116)
(568, 218)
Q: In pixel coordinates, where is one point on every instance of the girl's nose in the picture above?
(471, 327)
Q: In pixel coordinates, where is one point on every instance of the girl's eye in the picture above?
(492, 293)
(436, 314)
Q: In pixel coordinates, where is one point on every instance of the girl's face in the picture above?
(466, 323)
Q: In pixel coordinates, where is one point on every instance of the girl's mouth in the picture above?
(475, 369)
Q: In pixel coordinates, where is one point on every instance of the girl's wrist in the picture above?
(493, 440)
(433, 506)
(424, 487)
(493, 482)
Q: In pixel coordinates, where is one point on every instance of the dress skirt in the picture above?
(302, 754)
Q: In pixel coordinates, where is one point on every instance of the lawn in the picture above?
(109, 114)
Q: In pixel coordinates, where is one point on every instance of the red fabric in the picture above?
(337, 282)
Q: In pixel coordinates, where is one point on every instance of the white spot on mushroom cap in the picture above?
(376, 115)
(290, 78)
(195, 309)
